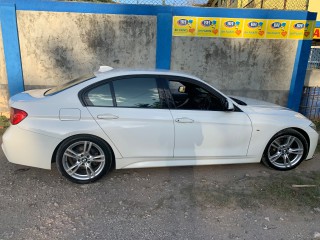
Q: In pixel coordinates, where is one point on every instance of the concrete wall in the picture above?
(56, 47)
(3, 79)
(254, 68)
(312, 78)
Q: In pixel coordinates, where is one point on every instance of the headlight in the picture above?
(312, 125)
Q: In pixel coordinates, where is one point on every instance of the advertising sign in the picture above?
(231, 27)
(208, 27)
(184, 26)
(244, 28)
(254, 28)
(278, 29)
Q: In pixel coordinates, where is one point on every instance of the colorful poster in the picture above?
(184, 26)
(244, 28)
(231, 27)
(277, 29)
(254, 28)
(316, 34)
(297, 29)
(208, 27)
(309, 29)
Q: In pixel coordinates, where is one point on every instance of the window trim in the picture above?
(163, 102)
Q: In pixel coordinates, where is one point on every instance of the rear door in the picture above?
(132, 113)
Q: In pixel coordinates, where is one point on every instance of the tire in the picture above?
(285, 151)
(84, 159)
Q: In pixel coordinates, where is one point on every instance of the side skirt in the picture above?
(171, 162)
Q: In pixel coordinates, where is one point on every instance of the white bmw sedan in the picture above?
(138, 119)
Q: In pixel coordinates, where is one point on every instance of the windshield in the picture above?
(69, 84)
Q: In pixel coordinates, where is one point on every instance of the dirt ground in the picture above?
(246, 201)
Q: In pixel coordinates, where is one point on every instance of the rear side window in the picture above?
(99, 96)
(137, 93)
(69, 84)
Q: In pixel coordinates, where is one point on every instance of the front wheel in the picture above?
(286, 150)
(84, 159)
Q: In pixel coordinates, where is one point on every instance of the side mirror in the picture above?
(229, 105)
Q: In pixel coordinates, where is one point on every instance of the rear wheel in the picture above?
(84, 159)
(286, 150)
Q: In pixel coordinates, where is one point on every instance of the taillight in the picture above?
(17, 115)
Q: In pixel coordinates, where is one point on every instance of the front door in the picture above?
(203, 129)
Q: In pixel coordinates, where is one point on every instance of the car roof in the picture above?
(126, 72)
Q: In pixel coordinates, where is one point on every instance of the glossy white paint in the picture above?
(138, 132)
(209, 132)
(147, 137)
(28, 148)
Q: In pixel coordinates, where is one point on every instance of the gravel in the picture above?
(163, 203)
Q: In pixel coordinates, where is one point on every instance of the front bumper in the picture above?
(28, 148)
(313, 135)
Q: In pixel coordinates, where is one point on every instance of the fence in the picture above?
(267, 4)
(314, 58)
(276, 4)
(310, 103)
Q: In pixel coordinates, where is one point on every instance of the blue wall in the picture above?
(164, 32)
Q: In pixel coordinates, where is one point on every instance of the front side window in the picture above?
(189, 96)
(137, 93)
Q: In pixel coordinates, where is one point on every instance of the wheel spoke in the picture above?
(286, 160)
(290, 140)
(73, 168)
(90, 171)
(87, 147)
(275, 157)
(70, 153)
(99, 158)
(275, 144)
(297, 151)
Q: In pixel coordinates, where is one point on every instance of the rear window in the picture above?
(69, 84)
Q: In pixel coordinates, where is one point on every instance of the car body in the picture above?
(150, 118)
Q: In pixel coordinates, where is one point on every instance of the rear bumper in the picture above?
(28, 148)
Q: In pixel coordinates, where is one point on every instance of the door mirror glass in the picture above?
(182, 89)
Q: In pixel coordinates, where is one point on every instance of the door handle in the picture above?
(107, 116)
(184, 120)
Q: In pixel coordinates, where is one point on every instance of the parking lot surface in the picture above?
(246, 201)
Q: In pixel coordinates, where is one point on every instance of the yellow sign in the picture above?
(231, 27)
(254, 28)
(309, 29)
(244, 28)
(184, 26)
(278, 29)
(300, 29)
(316, 34)
(208, 27)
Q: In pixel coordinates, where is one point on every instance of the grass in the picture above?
(275, 191)
(279, 191)
(317, 123)
(4, 123)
